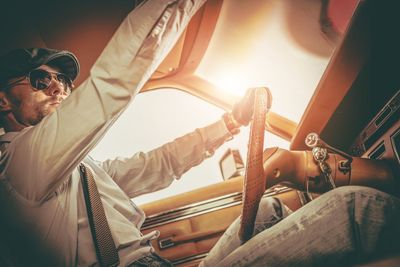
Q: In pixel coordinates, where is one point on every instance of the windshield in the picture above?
(281, 47)
(157, 117)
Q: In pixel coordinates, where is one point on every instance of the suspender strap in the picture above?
(107, 254)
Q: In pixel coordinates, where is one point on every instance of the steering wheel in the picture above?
(254, 179)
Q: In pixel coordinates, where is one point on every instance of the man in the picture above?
(34, 83)
(50, 131)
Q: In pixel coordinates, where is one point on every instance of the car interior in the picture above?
(349, 70)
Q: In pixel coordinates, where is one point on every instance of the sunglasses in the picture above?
(41, 80)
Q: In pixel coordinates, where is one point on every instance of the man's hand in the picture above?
(243, 110)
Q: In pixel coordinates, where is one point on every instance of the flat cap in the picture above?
(21, 61)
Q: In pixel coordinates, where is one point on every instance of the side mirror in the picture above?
(231, 164)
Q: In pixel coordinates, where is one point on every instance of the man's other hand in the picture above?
(243, 110)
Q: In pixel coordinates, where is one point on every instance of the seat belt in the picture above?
(107, 254)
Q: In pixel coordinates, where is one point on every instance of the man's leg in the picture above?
(270, 211)
(347, 224)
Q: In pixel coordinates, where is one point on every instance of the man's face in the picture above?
(29, 106)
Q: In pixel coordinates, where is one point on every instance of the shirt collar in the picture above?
(8, 137)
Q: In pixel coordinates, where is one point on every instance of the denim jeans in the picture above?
(347, 225)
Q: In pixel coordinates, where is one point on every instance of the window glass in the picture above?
(157, 117)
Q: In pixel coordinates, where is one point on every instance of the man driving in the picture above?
(50, 127)
(74, 211)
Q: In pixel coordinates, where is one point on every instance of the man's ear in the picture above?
(4, 102)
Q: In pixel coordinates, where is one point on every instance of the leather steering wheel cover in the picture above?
(254, 179)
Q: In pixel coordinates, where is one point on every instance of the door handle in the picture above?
(192, 237)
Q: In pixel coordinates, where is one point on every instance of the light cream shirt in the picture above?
(38, 165)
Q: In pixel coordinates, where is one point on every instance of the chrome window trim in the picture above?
(203, 207)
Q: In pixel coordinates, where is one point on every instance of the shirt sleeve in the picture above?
(148, 172)
(40, 158)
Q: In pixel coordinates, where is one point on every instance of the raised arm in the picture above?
(61, 140)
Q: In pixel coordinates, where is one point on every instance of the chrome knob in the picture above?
(312, 140)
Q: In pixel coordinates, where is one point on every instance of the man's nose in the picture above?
(56, 88)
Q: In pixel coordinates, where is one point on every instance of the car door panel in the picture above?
(191, 223)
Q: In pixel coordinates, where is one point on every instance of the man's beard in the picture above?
(40, 114)
(42, 111)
